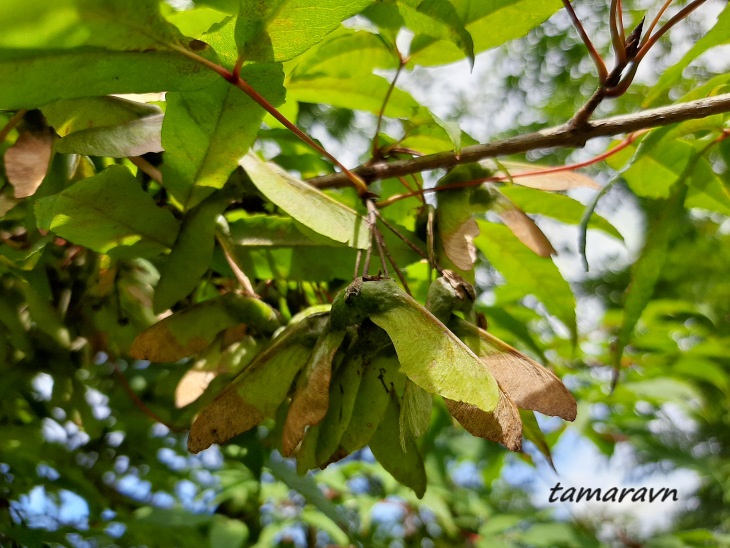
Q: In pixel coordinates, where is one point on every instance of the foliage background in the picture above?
(71, 303)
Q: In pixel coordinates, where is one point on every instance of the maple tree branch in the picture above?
(558, 136)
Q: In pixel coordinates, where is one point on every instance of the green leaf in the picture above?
(415, 413)
(307, 487)
(272, 231)
(278, 30)
(532, 432)
(133, 138)
(716, 36)
(659, 162)
(199, 20)
(558, 206)
(308, 205)
(490, 24)
(205, 133)
(380, 373)
(109, 213)
(227, 533)
(405, 465)
(129, 25)
(364, 92)
(191, 253)
(524, 270)
(442, 13)
(343, 394)
(429, 354)
(344, 54)
(648, 267)
(72, 115)
(32, 78)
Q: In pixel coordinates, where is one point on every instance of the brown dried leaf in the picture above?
(561, 180)
(527, 231)
(311, 398)
(528, 383)
(183, 333)
(26, 162)
(227, 416)
(192, 386)
(459, 245)
(259, 389)
(503, 425)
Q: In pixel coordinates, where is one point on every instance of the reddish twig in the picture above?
(510, 177)
(681, 14)
(597, 59)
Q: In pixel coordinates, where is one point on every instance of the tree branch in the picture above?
(559, 136)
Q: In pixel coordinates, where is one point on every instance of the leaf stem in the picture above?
(681, 14)
(400, 236)
(154, 173)
(655, 21)
(597, 59)
(376, 140)
(224, 240)
(14, 121)
(617, 32)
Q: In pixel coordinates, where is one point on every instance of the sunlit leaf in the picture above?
(429, 354)
(25, 74)
(308, 205)
(205, 133)
(362, 92)
(490, 24)
(716, 36)
(345, 53)
(109, 213)
(277, 30)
